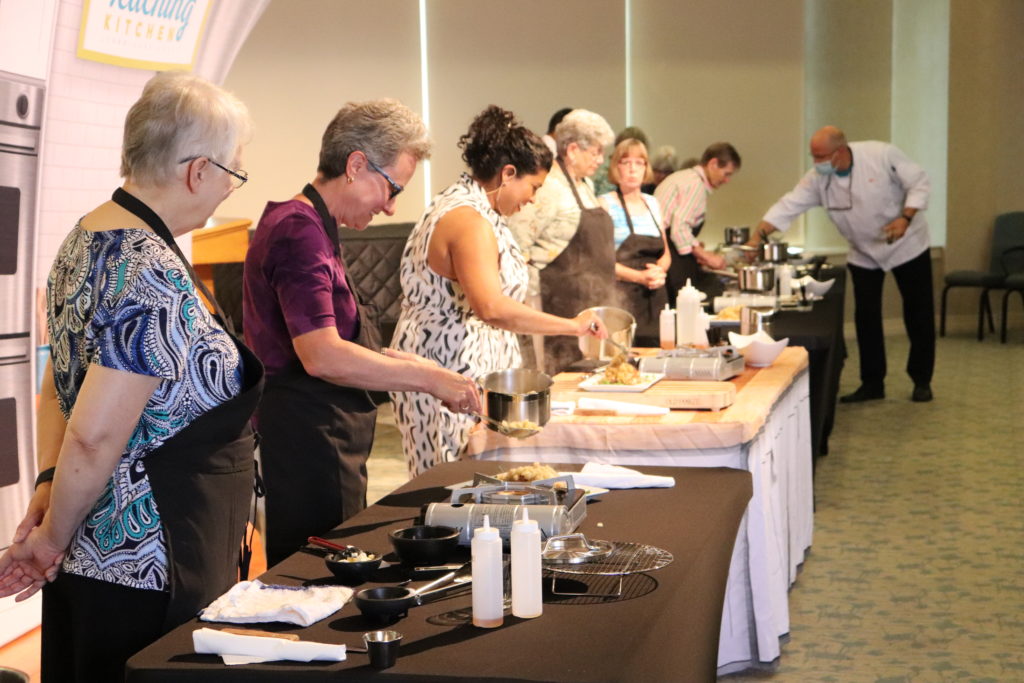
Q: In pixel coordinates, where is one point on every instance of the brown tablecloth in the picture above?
(665, 627)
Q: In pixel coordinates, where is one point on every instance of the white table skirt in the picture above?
(776, 530)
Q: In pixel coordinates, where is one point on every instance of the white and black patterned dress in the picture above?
(438, 323)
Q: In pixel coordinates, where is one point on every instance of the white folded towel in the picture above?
(239, 649)
(253, 602)
(620, 407)
(616, 477)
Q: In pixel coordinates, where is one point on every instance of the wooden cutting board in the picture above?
(678, 394)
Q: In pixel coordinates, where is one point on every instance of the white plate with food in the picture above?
(588, 491)
(598, 382)
(527, 474)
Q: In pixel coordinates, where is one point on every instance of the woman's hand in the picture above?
(29, 565)
(587, 323)
(456, 392)
(37, 507)
(653, 276)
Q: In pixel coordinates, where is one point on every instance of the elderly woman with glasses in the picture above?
(306, 322)
(464, 280)
(143, 430)
(641, 249)
(566, 236)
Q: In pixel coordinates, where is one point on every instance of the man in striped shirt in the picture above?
(683, 197)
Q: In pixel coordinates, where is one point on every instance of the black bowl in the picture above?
(384, 603)
(352, 573)
(425, 544)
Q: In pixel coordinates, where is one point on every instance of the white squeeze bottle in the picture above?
(785, 278)
(526, 578)
(687, 310)
(488, 583)
(667, 328)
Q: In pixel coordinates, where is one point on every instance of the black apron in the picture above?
(315, 438)
(636, 251)
(582, 276)
(682, 268)
(202, 477)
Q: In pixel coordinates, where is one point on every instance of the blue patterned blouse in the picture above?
(122, 299)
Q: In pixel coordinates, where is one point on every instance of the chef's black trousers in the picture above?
(914, 280)
(92, 627)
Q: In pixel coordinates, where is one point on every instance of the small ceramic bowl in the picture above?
(353, 573)
(814, 287)
(759, 349)
(741, 341)
(425, 544)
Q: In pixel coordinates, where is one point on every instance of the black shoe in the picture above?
(922, 394)
(864, 393)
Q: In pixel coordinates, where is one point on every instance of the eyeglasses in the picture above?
(238, 178)
(395, 187)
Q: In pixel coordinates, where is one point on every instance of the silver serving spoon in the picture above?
(630, 358)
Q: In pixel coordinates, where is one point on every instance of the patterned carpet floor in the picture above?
(917, 569)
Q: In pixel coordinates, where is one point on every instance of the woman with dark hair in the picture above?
(464, 281)
(566, 236)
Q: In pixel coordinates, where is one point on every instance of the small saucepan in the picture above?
(774, 252)
(518, 397)
(386, 603)
(753, 278)
(737, 234)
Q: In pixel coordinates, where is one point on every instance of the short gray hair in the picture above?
(665, 159)
(381, 129)
(585, 128)
(180, 116)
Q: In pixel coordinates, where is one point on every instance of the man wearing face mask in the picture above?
(876, 197)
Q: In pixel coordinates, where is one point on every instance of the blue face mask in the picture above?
(824, 168)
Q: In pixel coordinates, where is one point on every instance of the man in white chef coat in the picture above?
(876, 197)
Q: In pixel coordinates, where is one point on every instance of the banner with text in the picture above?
(143, 34)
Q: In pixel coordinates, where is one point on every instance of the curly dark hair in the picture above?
(496, 138)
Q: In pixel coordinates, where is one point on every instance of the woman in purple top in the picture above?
(304, 320)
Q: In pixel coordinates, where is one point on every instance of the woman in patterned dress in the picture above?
(464, 281)
(143, 426)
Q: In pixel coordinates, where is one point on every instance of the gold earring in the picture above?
(350, 179)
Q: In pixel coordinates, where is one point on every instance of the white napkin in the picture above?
(616, 477)
(237, 649)
(563, 407)
(252, 602)
(620, 407)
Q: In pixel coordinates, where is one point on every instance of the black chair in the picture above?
(1013, 264)
(1008, 233)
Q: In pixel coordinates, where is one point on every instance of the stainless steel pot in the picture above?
(774, 252)
(737, 234)
(754, 318)
(756, 278)
(621, 327)
(517, 395)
